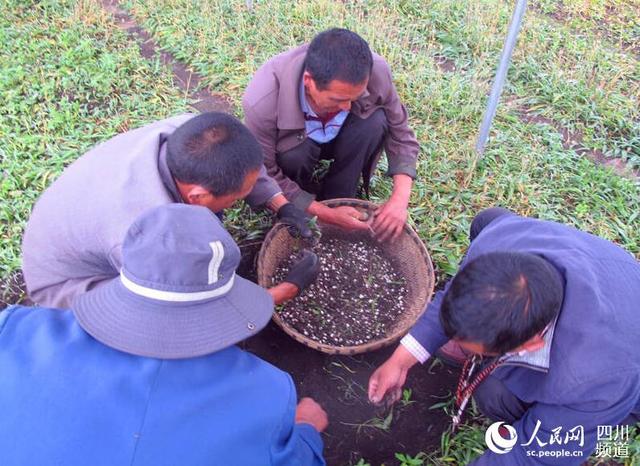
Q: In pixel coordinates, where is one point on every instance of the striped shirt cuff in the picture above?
(415, 348)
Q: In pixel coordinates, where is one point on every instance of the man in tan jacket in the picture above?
(333, 99)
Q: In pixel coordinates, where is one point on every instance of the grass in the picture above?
(468, 442)
(577, 78)
(525, 167)
(617, 20)
(71, 79)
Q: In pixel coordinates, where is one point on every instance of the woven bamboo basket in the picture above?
(408, 255)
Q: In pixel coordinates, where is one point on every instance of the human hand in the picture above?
(389, 219)
(310, 412)
(348, 218)
(386, 382)
(304, 271)
(296, 219)
(283, 292)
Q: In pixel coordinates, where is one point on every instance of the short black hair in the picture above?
(213, 150)
(502, 299)
(338, 54)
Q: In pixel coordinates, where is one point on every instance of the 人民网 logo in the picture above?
(500, 437)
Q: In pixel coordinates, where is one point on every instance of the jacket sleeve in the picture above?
(401, 145)
(265, 132)
(427, 332)
(298, 444)
(565, 435)
(264, 189)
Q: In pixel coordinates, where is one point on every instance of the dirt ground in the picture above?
(339, 384)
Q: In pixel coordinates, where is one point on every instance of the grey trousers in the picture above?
(353, 153)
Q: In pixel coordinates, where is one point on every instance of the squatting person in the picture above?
(73, 239)
(333, 99)
(554, 314)
(144, 369)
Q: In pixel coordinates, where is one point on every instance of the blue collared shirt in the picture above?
(320, 133)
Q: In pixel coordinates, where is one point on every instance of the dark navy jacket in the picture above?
(66, 399)
(593, 375)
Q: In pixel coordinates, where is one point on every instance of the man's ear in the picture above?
(197, 195)
(307, 80)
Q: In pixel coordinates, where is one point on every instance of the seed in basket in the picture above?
(356, 298)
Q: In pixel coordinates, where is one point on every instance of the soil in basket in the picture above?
(356, 298)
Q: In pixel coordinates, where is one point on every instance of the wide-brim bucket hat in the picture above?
(177, 295)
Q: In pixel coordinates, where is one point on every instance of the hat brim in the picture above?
(147, 327)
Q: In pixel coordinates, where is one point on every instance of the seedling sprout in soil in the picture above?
(356, 298)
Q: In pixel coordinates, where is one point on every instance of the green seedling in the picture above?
(316, 233)
(362, 462)
(383, 424)
(406, 397)
(408, 460)
(321, 170)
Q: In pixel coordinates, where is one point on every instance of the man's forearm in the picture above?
(401, 189)
(320, 210)
(404, 358)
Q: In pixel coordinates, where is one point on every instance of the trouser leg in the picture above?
(352, 151)
(632, 419)
(497, 402)
(299, 163)
(484, 218)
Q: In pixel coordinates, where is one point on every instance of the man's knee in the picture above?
(375, 125)
(360, 140)
(497, 403)
(484, 218)
(299, 161)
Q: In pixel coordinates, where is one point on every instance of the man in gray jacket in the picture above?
(73, 240)
(333, 99)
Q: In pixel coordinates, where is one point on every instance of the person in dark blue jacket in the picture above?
(550, 319)
(143, 371)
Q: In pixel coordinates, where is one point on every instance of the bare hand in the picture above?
(386, 382)
(348, 218)
(310, 412)
(390, 219)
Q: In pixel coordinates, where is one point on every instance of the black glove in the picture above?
(304, 271)
(296, 220)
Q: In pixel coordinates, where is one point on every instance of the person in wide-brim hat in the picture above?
(178, 295)
(144, 370)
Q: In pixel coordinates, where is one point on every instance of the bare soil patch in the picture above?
(446, 65)
(184, 78)
(603, 26)
(572, 140)
(13, 290)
